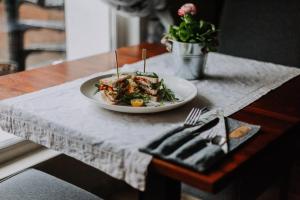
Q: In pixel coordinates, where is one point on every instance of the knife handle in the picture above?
(155, 143)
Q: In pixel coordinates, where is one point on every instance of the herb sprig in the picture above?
(149, 74)
(165, 94)
(97, 85)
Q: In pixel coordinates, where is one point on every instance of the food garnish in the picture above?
(137, 102)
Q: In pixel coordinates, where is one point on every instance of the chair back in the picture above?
(266, 30)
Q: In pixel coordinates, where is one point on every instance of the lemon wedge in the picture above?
(137, 102)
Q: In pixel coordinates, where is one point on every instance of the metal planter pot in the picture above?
(188, 58)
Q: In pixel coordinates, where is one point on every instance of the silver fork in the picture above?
(193, 117)
(190, 121)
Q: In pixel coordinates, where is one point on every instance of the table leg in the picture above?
(160, 187)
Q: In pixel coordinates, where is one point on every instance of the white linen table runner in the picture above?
(62, 119)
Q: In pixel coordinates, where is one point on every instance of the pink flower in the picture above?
(187, 8)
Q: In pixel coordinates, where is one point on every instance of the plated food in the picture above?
(135, 89)
(138, 92)
(184, 90)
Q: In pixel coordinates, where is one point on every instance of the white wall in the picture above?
(128, 30)
(87, 28)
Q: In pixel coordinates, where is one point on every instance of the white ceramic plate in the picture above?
(183, 89)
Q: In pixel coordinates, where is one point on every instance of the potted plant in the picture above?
(190, 42)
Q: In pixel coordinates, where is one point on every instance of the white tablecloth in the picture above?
(62, 119)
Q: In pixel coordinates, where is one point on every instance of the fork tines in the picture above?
(193, 116)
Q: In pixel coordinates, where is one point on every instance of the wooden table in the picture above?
(264, 156)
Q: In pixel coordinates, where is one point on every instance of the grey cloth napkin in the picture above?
(190, 147)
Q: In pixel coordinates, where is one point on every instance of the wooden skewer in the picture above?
(144, 57)
(117, 63)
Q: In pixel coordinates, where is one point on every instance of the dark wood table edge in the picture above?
(180, 173)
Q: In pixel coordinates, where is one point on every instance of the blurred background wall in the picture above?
(63, 29)
(88, 28)
(40, 30)
(72, 29)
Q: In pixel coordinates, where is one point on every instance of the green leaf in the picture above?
(191, 30)
(183, 35)
(148, 74)
(188, 18)
(97, 86)
(165, 94)
(213, 28)
(201, 23)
